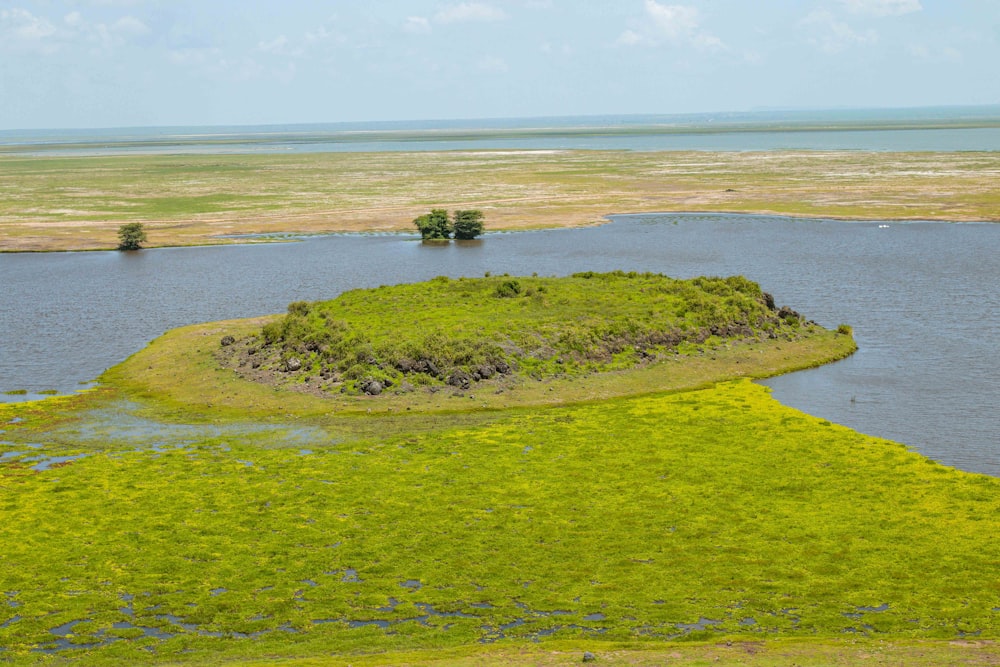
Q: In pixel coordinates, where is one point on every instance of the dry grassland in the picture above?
(77, 203)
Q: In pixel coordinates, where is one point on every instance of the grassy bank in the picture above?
(71, 203)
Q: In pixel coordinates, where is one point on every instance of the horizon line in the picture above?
(756, 111)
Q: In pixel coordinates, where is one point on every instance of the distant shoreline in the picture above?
(295, 237)
(78, 203)
(397, 140)
(786, 120)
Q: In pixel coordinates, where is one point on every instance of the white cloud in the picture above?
(130, 26)
(105, 37)
(276, 46)
(194, 57)
(883, 7)
(73, 19)
(675, 24)
(630, 38)
(831, 35)
(299, 47)
(708, 42)
(493, 64)
(469, 11)
(929, 54)
(550, 49)
(323, 34)
(213, 63)
(116, 3)
(20, 29)
(417, 25)
(673, 21)
(282, 46)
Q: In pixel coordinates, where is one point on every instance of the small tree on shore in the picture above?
(131, 236)
(468, 224)
(434, 225)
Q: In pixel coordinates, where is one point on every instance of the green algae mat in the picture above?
(664, 519)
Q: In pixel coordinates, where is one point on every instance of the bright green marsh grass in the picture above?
(708, 515)
(181, 513)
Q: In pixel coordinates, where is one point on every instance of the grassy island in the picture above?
(501, 341)
(467, 332)
(615, 485)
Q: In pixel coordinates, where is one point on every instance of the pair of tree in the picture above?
(438, 225)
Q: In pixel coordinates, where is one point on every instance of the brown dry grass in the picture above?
(77, 203)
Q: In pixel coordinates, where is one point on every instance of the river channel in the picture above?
(922, 298)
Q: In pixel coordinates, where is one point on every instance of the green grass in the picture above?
(462, 331)
(181, 514)
(187, 371)
(653, 512)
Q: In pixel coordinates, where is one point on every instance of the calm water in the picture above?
(941, 140)
(939, 129)
(922, 297)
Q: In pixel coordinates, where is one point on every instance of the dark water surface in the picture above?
(923, 299)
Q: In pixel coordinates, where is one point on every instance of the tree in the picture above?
(434, 225)
(468, 224)
(131, 236)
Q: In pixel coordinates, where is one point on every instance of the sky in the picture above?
(121, 63)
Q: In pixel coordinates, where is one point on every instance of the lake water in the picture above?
(927, 129)
(922, 298)
(941, 140)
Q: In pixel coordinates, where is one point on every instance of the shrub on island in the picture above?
(501, 329)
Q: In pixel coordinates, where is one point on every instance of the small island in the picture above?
(500, 333)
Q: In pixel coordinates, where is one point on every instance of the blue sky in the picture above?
(111, 63)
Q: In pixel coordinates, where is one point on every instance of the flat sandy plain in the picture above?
(51, 202)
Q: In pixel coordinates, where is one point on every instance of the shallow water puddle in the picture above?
(47, 462)
(701, 624)
(119, 422)
(431, 611)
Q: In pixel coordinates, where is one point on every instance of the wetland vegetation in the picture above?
(625, 500)
(496, 332)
